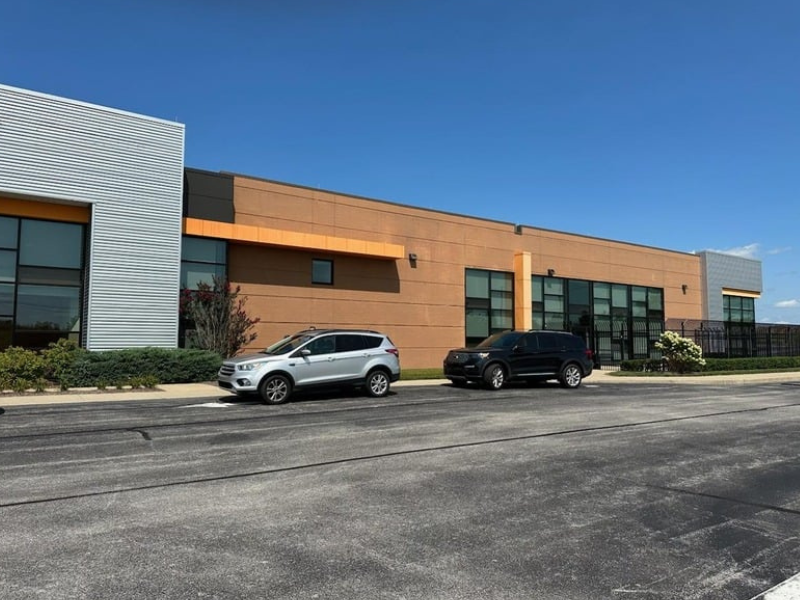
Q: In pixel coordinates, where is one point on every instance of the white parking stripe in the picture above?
(788, 590)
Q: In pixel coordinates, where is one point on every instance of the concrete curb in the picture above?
(209, 390)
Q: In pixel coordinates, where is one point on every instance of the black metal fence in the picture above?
(739, 340)
(626, 339)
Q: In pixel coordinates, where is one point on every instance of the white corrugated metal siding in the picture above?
(130, 169)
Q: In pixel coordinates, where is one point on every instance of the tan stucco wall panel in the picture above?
(421, 307)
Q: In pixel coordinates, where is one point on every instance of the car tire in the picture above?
(377, 383)
(275, 389)
(571, 376)
(494, 376)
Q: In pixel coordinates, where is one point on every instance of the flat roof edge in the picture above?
(91, 105)
(453, 214)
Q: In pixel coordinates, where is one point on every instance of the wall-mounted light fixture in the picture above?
(412, 260)
(551, 272)
(684, 287)
(412, 256)
(518, 229)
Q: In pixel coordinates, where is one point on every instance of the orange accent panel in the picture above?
(44, 210)
(264, 236)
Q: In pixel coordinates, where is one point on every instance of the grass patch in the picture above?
(418, 374)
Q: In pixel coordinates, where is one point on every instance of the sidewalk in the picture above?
(210, 391)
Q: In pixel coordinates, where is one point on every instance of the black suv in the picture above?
(522, 356)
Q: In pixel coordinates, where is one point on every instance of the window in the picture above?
(322, 271)
(617, 320)
(41, 282)
(63, 247)
(489, 303)
(201, 260)
(348, 342)
(8, 232)
(738, 309)
(322, 345)
(579, 305)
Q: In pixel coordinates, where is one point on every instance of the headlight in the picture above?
(250, 366)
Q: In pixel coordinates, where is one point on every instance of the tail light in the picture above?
(589, 354)
(394, 351)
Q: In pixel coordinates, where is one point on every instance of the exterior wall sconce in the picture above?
(412, 260)
(551, 272)
(684, 287)
(518, 229)
(412, 257)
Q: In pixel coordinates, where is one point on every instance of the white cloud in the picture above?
(748, 251)
(780, 250)
(787, 304)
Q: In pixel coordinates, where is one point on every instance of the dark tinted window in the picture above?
(322, 271)
(371, 341)
(349, 342)
(64, 245)
(8, 232)
(575, 343)
(547, 341)
(322, 345)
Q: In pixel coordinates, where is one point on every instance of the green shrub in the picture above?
(149, 381)
(21, 369)
(66, 366)
(681, 354)
(58, 359)
(161, 365)
(758, 363)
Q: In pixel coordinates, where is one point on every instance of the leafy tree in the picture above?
(218, 313)
(681, 354)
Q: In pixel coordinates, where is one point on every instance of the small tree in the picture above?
(681, 354)
(218, 313)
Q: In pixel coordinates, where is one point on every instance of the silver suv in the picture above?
(315, 358)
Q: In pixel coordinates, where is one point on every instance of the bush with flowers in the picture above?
(681, 354)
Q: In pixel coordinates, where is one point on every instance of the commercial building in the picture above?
(101, 226)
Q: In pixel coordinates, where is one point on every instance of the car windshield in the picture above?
(501, 340)
(287, 344)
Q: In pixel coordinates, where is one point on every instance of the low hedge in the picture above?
(752, 364)
(716, 365)
(65, 365)
(164, 364)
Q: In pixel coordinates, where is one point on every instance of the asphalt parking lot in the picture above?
(609, 491)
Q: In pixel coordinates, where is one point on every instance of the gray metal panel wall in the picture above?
(726, 271)
(130, 169)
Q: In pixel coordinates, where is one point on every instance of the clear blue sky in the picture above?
(667, 123)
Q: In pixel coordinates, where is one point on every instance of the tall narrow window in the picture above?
(489, 303)
(202, 259)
